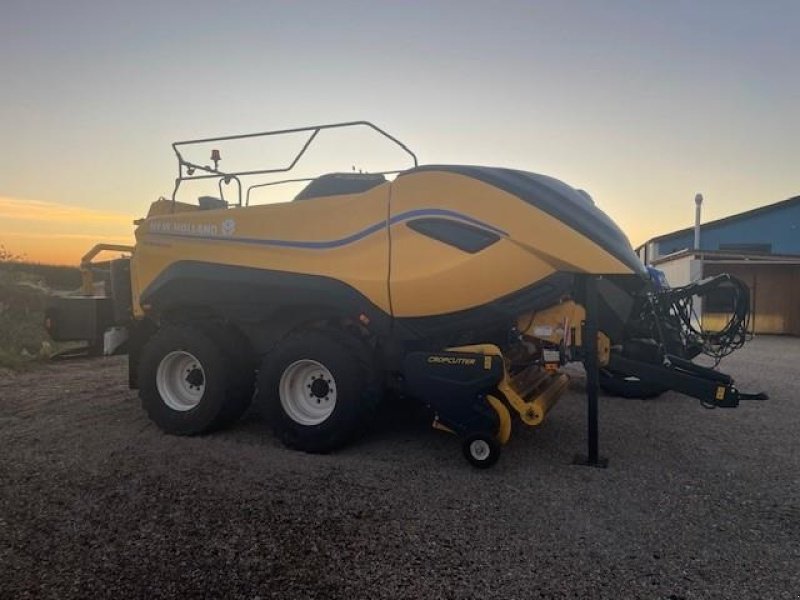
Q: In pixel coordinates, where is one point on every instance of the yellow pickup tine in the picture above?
(532, 392)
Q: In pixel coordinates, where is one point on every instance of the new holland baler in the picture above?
(465, 288)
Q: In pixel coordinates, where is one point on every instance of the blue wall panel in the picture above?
(779, 227)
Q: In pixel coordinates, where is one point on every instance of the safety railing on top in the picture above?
(187, 170)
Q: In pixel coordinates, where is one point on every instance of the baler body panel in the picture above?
(339, 237)
(383, 243)
(433, 278)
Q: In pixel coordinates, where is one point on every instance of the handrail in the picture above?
(256, 186)
(87, 280)
(227, 176)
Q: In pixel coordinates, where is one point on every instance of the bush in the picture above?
(53, 277)
(24, 289)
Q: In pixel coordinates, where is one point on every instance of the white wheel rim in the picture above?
(308, 392)
(181, 380)
(479, 449)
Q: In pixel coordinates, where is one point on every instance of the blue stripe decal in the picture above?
(406, 216)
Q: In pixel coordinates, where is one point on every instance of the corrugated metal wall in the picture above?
(779, 228)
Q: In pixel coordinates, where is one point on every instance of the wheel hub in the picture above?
(479, 449)
(180, 380)
(307, 392)
(320, 388)
(195, 377)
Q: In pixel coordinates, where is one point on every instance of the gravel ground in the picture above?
(96, 502)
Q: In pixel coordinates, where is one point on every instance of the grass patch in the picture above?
(23, 298)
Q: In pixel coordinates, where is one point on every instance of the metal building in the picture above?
(760, 246)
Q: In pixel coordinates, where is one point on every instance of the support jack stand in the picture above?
(592, 458)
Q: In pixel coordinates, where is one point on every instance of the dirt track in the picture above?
(96, 502)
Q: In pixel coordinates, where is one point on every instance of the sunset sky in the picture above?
(641, 103)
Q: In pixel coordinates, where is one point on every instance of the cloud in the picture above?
(65, 236)
(50, 232)
(37, 210)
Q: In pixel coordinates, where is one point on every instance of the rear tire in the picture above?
(241, 362)
(317, 389)
(184, 381)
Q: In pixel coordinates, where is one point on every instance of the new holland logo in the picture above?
(451, 360)
(209, 230)
(228, 227)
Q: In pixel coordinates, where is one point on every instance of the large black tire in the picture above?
(617, 384)
(353, 380)
(241, 362)
(209, 375)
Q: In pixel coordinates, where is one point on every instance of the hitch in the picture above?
(712, 388)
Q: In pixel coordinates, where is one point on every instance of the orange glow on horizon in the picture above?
(58, 234)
